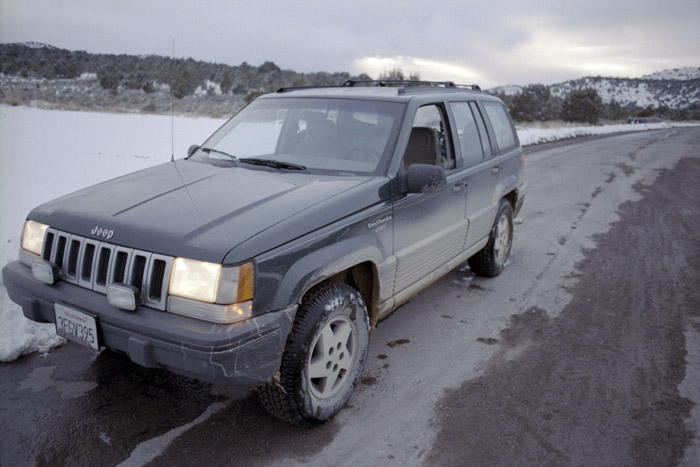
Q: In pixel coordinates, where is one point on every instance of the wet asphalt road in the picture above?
(585, 351)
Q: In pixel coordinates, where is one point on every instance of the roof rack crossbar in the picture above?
(408, 82)
(297, 88)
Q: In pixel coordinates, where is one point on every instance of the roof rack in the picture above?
(386, 83)
(409, 83)
(299, 88)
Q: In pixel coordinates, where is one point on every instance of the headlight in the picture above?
(211, 282)
(33, 236)
(195, 279)
(214, 292)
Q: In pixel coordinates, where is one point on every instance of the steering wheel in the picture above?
(362, 154)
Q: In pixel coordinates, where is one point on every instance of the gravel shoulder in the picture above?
(598, 384)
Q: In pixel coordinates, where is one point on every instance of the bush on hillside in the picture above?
(582, 106)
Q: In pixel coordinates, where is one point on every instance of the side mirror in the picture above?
(192, 150)
(424, 178)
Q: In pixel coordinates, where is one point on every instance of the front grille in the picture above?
(94, 265)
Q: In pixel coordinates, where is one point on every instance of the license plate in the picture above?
(76, 326)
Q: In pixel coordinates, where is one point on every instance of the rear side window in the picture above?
(502, 128)
(469, 139)
(485, 139)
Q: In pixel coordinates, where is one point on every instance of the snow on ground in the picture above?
(45, 154)
(529, 136)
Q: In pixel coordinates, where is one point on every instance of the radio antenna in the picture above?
(172, 135)
(172, 109)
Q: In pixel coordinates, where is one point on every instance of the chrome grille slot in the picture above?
(120, 265)
(137, 270)
(92, 264)
(70, 269)
(157, 277)
(59, 251)
(103, 268)
(87, 263)
(156, 273)
(48, 244)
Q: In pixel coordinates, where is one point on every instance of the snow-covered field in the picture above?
(45, 154)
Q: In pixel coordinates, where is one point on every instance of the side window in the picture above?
(428, 143)
(505, 136)
(485, 138)
(469, 140)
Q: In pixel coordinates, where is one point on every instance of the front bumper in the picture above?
(243, 353)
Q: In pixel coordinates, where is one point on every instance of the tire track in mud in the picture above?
(598, 384)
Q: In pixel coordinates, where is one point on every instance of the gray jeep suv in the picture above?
(268, 255)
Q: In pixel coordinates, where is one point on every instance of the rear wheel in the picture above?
(324, 358)
(491, 259)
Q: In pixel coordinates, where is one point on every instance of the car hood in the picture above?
(201, 211)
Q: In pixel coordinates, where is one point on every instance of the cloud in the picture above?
(428, 69)
(468, 41)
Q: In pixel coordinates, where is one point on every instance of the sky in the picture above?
(487, 42)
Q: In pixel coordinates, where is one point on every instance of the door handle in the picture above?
(496, 169)
(459, 186)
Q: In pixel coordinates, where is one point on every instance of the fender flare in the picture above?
(323, 263)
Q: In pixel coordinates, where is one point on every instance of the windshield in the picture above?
(334, 136)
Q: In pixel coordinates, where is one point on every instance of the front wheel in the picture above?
(491, 259)
(324, 358)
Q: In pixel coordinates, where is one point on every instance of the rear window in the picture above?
(504, 132)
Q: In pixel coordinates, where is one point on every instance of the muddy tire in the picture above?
(324, 357)
(491, 259)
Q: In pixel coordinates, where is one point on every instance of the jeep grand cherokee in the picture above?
(267, 256)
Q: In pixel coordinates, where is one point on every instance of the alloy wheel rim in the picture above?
(502, 240)
(331, 358)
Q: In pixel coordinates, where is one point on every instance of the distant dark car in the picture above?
(268, 255)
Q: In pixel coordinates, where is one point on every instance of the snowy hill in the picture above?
(640, 92)
(508, 90)
(38, 45)
(684, 73)
(678, 88)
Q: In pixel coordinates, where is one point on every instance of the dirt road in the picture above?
(585, 351)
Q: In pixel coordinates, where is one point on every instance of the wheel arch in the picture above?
(512, 198)
(353, 261)
(363, 277)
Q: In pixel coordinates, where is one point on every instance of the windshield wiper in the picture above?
(208, 150)
(273, 163)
